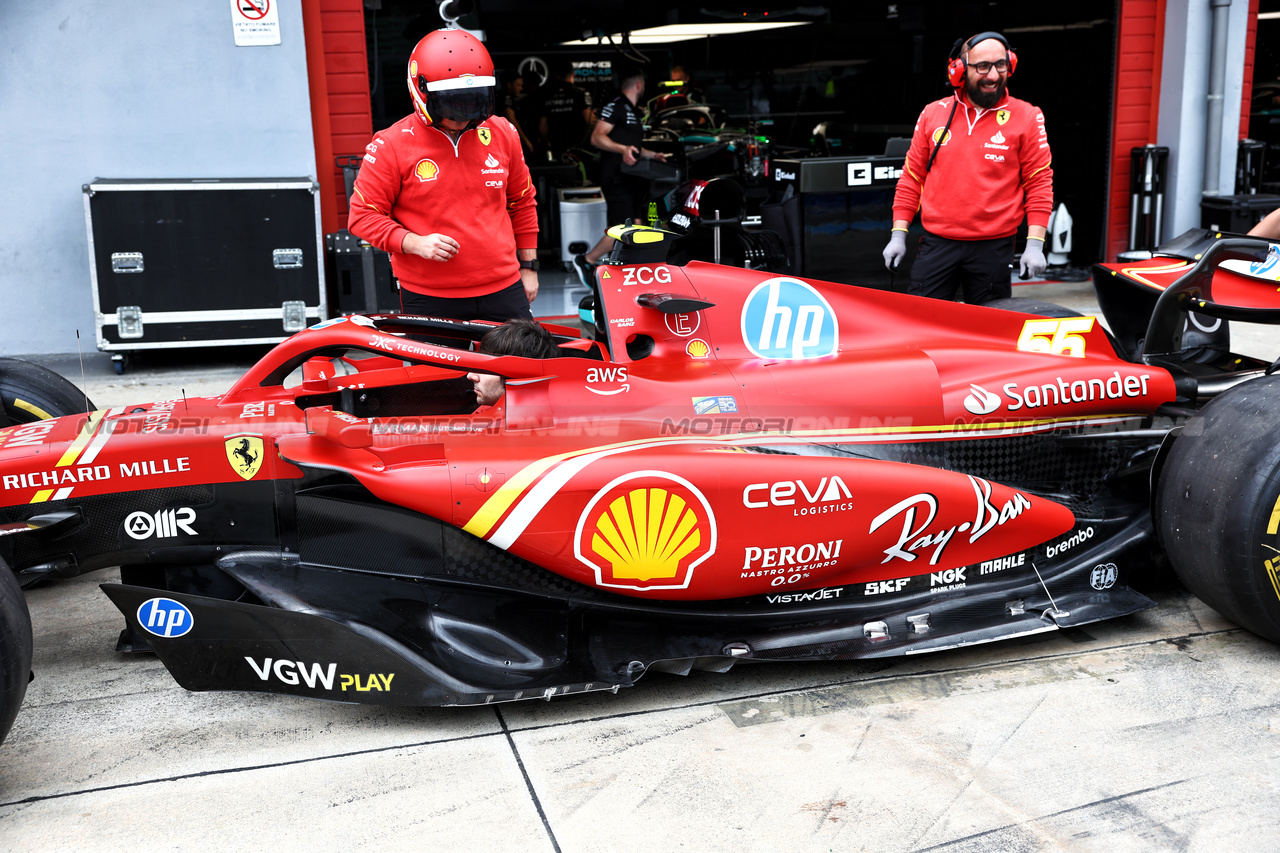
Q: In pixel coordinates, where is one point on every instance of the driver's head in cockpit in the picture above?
(524, 338)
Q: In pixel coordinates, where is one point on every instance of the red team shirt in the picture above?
(993, 168)
(478, 192)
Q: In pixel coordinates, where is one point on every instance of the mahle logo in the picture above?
(646, 530)
(787, 319)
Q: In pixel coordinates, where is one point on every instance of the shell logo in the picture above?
(938, 135)
(646, 530)
(413, 68)
(697, 348)
(426, 170)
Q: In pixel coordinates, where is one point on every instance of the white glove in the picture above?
(1033, 262)
(896, 250)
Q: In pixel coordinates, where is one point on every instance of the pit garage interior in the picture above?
(1155, 732)
(839, 86)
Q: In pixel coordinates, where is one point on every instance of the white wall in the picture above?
(143, 89)
(1184, 87)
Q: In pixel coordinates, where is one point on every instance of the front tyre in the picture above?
(29, 392)
(1218, 505)
(15, 648)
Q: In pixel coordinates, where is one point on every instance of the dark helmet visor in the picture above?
(465, 105)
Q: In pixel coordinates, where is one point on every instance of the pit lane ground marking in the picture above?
(719, 704)
(973, 681)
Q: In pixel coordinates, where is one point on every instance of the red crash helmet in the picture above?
(451, 77)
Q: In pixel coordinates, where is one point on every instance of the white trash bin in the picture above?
(582, 219)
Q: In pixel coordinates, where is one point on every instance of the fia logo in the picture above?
(165, 617)
(787, 319)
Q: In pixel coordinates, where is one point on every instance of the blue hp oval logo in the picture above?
(787, 319)
(165, 617)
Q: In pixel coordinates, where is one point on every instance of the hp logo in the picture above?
(165, 617)
(787, 319)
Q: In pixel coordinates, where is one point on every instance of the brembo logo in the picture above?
(1073, 541)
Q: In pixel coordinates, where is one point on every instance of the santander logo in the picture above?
(981, 401)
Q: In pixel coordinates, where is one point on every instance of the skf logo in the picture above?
(163, 525)
(981, 401)
(784, 318)
(426, 170)
(646, 530)
(697, 348)
(244, 452)
(486, 135)
(1002, 116)
(941, 139)
(165, 617)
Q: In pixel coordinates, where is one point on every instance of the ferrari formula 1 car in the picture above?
(743, 467)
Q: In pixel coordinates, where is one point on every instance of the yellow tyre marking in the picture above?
(32, 408)
(1274, 524)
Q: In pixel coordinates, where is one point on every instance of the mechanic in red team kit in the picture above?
(447, 193)
(979, 162)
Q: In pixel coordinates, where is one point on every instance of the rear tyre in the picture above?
(15, 649)
(1218, 506)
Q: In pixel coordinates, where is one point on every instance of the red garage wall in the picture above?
(338, 72)
(1250, 42)
(1139, 48)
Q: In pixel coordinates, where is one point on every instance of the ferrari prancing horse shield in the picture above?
(244, 452)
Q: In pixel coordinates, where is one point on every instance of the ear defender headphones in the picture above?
(958, 64)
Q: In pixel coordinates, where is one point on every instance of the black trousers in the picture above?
(506, 304)
(979, 269)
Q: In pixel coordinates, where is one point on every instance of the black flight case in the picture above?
(212, 262)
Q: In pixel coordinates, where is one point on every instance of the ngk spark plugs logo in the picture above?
(787, 319)
(646, 530)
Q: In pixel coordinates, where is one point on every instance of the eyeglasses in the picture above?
(985, 67)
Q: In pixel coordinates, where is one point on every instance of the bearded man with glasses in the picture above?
(979, 163)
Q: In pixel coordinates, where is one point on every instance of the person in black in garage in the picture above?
(566, 110)
(620, 135)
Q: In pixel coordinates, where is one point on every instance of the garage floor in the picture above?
(1156, 732)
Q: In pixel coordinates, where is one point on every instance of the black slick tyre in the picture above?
(15, 649)
(1217, 506)
(30, 392)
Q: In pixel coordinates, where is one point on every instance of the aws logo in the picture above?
(426, 170)
(784, 318)
(646, 530)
